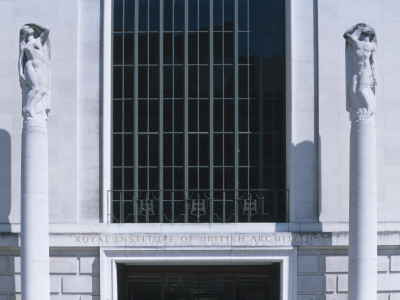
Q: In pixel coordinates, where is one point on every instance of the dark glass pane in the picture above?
(229, 80)
(268, 115)
(117, 181)
(178, 150)
(218, 47)
(128, 48)
(178, 115)
(118, 15)
(153, 48)
(267, 151)
(204, 15)
(153, 115)
(253, 146)
(153, 152)
(253, 11)
(142, 180)
(192, 51)
(179, 82)
(253, 82)
(228, 15)
(243, 50)
(193, 87)
(142, 114)
(143, 146)
(168, 117)
(254, 178)
(143, 22)
(204, 178)
(203, 150)
(243, 84)
(129, 15)
(193, 115)
(193, 150)
(117, 82)
(268, 14)
(253, 115)
(192, 15)
(228, 47)
(168, 78)
(142, 84)
(128, 82)
(217, 14)
(229, 177)
(218, 180)
(279, 115)
(229, 149)
(204, 81)
(168, 14)
(279, 148)
(167, 178)
(268, 78)
(243, 149)
(279, 13)
(128, 115)
(143, 48)
(128, 178)
(229, 115)
(117, 49)
(167, 150)
(243, 178)
(117, 116)
(204, 48)
(178, 48)
(154, 82)
(117, 150)
(204, 110)
(218, 150)
(167, 48)
(253, 48)
(218, 117)
(128, 150)
(218, 82)
(242, 15)
(252, 287)
(178, 15)
(154, 12)
(193, 177)
(243, 115)
(267, 46)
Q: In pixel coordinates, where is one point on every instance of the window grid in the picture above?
(146, 151)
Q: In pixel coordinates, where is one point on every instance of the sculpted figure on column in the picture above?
(361, 81)
(34, 70)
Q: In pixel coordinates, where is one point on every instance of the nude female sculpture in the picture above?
(361, 80)
(34, 70)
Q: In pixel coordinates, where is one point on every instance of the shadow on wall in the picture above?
(5, 176)
(305, 182)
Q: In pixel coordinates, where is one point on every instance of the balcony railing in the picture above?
(198, 206)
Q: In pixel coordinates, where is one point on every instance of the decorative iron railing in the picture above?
(197, 206)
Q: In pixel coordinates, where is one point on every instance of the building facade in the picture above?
(199, 149)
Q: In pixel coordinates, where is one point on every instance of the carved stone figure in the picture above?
(361, 45)
(34, 70)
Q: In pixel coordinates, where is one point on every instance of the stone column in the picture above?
(361, 49)
(363, 212)
(34, 77)
(35, 280)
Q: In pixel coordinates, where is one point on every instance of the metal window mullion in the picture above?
(236, 106)
(161, 114)
(135, 114)
(185, 113)
(122, 203)
(211, 108)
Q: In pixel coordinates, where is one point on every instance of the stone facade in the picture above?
(317, 158)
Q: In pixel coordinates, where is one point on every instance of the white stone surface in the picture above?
(63, 265)
(389, 282)
(343, 283)
(395, 263)
(336, 264)
(308, 264)
(383, 263)
(89, 265)
(80, 284)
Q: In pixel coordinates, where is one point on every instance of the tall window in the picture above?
(198, 111)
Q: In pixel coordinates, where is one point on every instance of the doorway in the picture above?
(199, 282)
